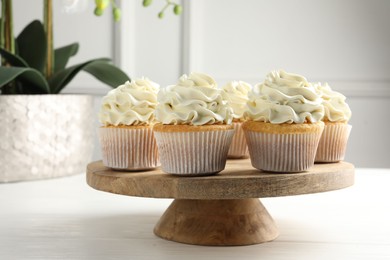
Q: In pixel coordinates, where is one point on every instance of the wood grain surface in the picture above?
(239, 180)
(217, 222)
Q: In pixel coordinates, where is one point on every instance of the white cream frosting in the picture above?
(336, 109)
(132, 103)
(197, 80)
(194, 100)
(237, 96)
(285, 98)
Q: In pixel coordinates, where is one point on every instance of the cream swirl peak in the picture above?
(285, 98)
(194, 100)
(237, 96)
(197, 80)
(132, 103)
(336, 109)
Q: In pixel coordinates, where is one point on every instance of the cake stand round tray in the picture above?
(221, 209)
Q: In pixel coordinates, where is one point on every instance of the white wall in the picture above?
(346, 43)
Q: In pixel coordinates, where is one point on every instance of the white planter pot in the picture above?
(45, 136)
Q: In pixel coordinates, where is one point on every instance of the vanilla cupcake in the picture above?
(126, 137)
(334, 139)
(284, 123)
(237, 97)
(195, 128)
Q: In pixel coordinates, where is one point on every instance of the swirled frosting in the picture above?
(336, 109)
(197, 80)
(194, 100)
(237, 96)
(285, 98)
(132, 103)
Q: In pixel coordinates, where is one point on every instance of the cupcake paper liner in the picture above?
(238, 148)
(282, 152)
(193, 153)
(128, 149)
(333, 143)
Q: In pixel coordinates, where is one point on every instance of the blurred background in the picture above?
(345, 43)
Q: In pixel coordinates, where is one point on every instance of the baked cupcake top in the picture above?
(285, 98)
(237, 96)
(132, 103)
(336, 109)
(194, 100)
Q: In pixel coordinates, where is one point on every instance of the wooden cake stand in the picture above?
(222, 209)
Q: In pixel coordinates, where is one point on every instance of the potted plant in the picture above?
(43, 134)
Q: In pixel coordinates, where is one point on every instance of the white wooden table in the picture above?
(66, 219)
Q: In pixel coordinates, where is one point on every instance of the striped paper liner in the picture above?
(129, 149)
(282, 152)
(333, 143)
(238, 148)
(193, 153)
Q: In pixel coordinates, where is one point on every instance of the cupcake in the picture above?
(195, 131)
(334, 139)
(126, 137)
(284, 123)
(237, 96)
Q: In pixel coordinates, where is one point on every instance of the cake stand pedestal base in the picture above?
(230, 222)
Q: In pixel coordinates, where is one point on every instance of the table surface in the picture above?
(66, 219)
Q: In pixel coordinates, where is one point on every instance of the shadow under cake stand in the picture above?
(222, 209)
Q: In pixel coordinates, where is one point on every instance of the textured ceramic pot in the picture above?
(45, 136)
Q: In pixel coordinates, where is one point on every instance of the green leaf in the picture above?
(63, 54)
(12, 59)
(32, 45)
(33, 81)
(106, 73)
(61, 78)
